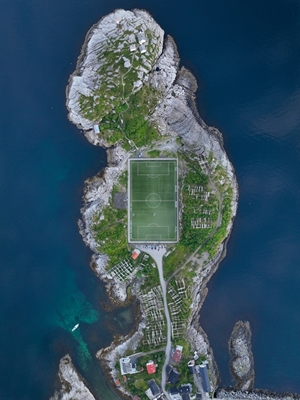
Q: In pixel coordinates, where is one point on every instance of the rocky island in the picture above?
(158, 217)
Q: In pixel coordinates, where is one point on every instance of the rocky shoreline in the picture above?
(73, 385)
(175, 117)
(242, 361)
(254, 394)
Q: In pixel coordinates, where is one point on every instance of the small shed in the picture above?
(96, 128)
(135, 254)
(151, 369)
(177, 354)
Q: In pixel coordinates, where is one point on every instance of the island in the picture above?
(158, 217)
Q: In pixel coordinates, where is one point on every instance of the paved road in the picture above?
(157, 255)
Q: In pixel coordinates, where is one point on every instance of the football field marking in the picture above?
(152, 200)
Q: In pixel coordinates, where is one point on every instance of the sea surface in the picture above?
(246, 56)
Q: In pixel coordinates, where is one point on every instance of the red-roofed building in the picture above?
(151, 369)
(177, 354)
(136, 398)
(135, 254)
(118, 383)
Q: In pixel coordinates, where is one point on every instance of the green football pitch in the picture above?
(152, 202)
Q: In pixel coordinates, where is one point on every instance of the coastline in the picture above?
(196, 137)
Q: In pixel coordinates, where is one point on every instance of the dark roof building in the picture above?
(153, 387)
(185, 396)
(205, 379)
(168, 369)
(174, 377)
(173, 390)
(198, 396)
(186, 388)
(191, 366)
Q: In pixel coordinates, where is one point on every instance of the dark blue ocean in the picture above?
(246, 57)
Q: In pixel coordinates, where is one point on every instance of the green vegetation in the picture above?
(200, 205)
(110, 233)
(214, 242)
(221, 181)
(149, 273)
(175, 259)
(138, 383)
(121, 109)
(124, 179)
(153, 153)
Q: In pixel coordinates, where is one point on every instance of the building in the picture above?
(174, 393)
(173, 390)
(96, 128)
(135, 254)
(149, 394)
(151, 369)
(126, 366)
(185, 389)
(117, 383)
(132, 47)
(177, 354)
(185, 396)
(172, 375)
(136, 398)
(191, 366)
(204, 377)
(153, 392)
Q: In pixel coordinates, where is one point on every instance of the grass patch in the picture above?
(110, 233)
(173, 261)
(154, 153)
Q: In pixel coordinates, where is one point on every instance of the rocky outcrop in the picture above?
(85, 79)
(242, 362)
(73, 386)
(255, 394)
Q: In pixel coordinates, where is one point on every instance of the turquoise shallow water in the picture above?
(245, 56)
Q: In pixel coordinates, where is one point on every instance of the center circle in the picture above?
(153, 200)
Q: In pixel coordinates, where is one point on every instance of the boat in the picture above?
(75, 327)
